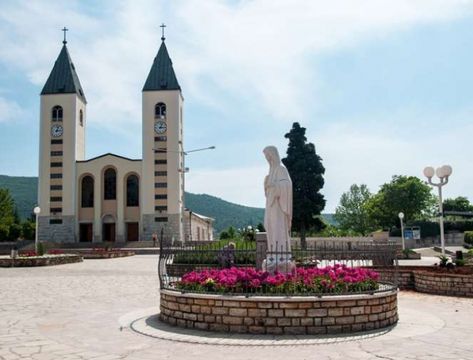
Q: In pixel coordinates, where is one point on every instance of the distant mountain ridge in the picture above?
(24, 191)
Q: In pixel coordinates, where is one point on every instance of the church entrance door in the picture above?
(109, 232)
(132, 232)
(85, 232)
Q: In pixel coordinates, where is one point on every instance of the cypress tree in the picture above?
(306, 171)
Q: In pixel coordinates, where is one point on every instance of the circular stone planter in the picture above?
(46, 260)
(278, 314)
(443, 283)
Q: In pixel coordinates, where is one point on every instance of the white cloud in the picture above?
(260, 51)
(9, 111)
(257, 50)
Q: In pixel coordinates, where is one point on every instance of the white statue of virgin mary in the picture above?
(278, 214)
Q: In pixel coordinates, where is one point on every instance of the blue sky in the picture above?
(383, 87)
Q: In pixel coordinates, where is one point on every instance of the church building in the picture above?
(112, 198)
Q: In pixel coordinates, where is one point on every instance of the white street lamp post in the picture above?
(401, 217)
(443, 174)
(36, 211)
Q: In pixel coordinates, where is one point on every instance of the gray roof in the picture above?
(161, 76)
(63, 78)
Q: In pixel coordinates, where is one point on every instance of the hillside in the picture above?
(225, 213)
(24, 190)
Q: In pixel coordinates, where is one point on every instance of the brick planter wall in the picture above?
(40, 261)
(107, 254)
(443, 283)
(279, 315)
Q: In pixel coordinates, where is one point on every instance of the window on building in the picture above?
(87, 192)
(56, 153)
(55, 221)
(55, 187)
(56, 164)
(161, 219)
(56, 113)
(55, 176)
(160, 162)
(160, 173)
(160, 110)
(56, 141)
(55, 198)
(161, 185)
(132, 191)
(81, 117)
(160, 196)
(55, 210)
(160, 138)
(161, 208)
(110, 184)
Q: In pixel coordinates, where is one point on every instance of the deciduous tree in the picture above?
(352, 213)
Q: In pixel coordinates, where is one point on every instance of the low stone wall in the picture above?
(40, 260)
(405, 275)
(107, 254)
(279, 315)
(440, 283)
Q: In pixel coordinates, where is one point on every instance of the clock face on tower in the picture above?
(56, 130)
(160, 127)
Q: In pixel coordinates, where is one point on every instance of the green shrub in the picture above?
(208, 254)
(469, 237)
(40, 249)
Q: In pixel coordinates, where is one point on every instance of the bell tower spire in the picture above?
(62, 143)
(162, 172)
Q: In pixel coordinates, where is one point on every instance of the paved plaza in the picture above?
(84, 311)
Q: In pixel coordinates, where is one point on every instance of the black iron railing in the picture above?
(176, 261)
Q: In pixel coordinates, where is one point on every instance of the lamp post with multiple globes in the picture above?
(443, 174)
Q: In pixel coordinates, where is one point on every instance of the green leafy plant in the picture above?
(469, 237)
(443, 260)
(459, 262)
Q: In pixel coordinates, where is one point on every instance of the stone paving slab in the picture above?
(83, 311)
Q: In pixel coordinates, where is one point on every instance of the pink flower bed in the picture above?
(330, 279)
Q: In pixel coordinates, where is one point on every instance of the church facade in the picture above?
(111, 198)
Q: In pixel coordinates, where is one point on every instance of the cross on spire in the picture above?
(64, 30)
(162, 26)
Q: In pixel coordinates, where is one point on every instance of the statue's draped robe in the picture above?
(278, 214)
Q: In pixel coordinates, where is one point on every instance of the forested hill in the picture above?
(225, 213)
(24, 189)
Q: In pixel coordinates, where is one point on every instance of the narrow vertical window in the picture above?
(160, 110)
(57, 113)
(132, 191)
(87, 192)
(110, 184)
(81, 117)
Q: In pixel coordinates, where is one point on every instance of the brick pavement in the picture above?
(81, 311)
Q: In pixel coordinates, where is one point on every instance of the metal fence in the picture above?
(174, 262)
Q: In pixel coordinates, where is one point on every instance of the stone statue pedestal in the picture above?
(271, 262)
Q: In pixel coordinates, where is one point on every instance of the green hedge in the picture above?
(469, 237)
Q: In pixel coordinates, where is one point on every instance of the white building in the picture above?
(111, 197)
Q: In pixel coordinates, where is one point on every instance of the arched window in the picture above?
(81, 117)
(87, 192)
(57, 113)
(110, 184)
(160, 110)
(132, 191)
